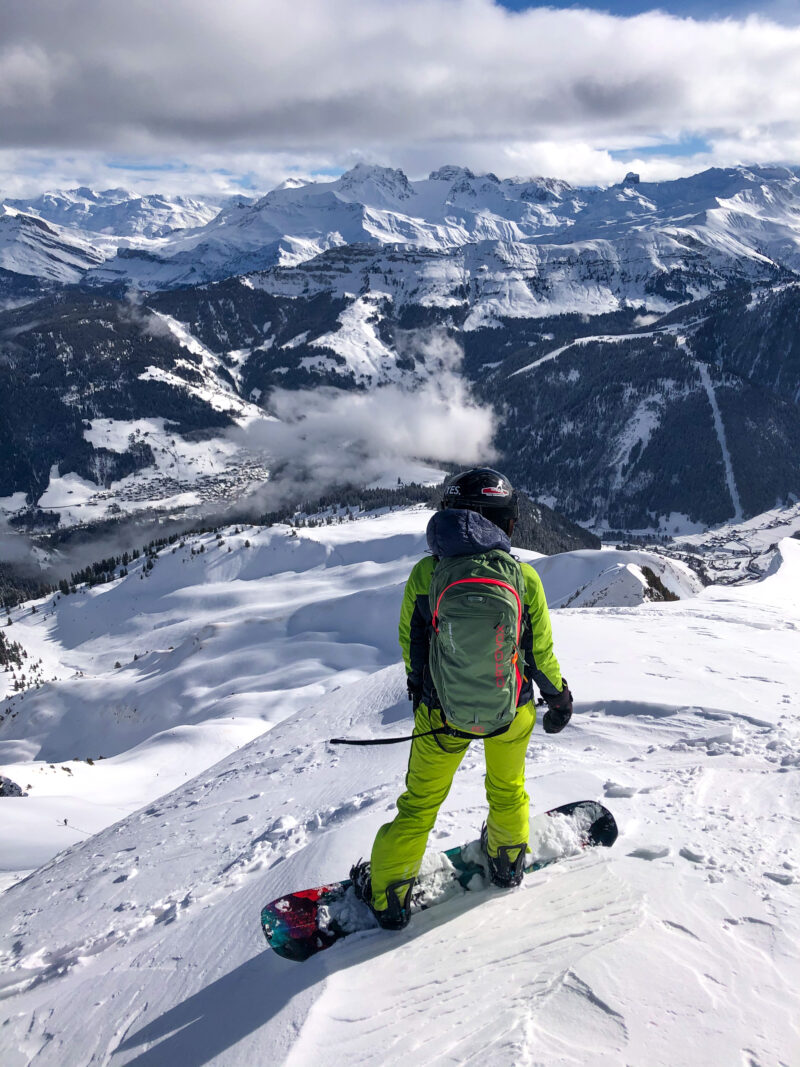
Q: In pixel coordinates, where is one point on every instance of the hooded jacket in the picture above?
(459, 532)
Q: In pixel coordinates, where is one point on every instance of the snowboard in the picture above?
(301, 924)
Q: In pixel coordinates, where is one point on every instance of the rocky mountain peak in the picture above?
(450, 173)
(389, 180)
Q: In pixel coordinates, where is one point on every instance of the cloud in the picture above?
(132, 310)
(324, 437)
(29, 171)
(15, 547)
(320, 82)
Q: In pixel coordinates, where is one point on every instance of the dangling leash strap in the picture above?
(388, 740)
(446, 729)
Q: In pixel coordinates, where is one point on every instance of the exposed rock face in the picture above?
(9, 788)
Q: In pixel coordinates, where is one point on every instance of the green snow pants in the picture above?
(400, 845)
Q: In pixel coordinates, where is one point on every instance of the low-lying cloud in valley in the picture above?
(326, 437)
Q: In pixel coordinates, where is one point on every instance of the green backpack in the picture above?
(477, 604)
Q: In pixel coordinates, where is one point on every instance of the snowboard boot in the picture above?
(398, 895)
(508, 866)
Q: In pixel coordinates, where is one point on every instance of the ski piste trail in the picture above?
(719, 426)
(140, 944)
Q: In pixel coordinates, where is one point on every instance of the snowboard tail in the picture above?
(301, 924)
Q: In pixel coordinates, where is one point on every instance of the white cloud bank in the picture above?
(250, 84)
(325, 437)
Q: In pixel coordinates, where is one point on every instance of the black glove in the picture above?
(414, 692)
(559, 709)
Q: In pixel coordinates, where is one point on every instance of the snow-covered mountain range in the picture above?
(120, 213)
(62, 235)
(210, 678)
(735, 224)
(30, 246)
(638, 344)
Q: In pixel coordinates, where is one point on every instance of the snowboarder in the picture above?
(469, 539)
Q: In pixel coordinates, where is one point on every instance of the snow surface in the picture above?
(358, 342)
(140, 943)
(611, 579)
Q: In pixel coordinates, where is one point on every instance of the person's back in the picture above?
(470, 586)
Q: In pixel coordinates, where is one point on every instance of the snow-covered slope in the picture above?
(614, 579)
(141, 944)
(223, 636)
(30, 246)
(59, 236)
(202, 641)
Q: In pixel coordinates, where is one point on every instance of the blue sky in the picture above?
(104, 94)
(698, 9)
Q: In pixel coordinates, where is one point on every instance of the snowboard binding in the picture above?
(398, 895)
(507, 868)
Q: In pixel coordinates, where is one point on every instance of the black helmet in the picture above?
(484, 490)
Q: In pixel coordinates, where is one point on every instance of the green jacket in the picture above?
(541, 665)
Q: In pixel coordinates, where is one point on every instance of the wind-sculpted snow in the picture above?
(159, 674)
(141, 945)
